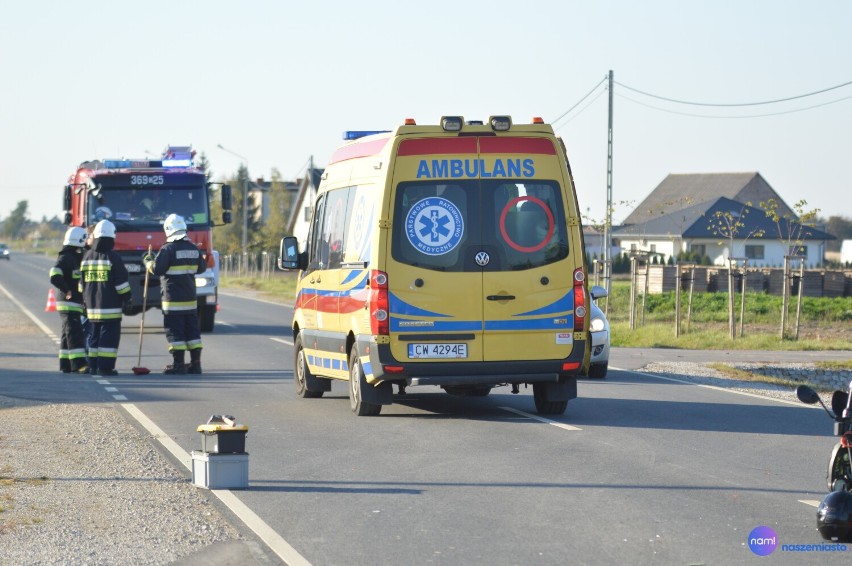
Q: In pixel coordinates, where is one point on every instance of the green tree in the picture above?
(839, 227)
(279, 207)
(228, 238)
(791, 230)
(13, 226)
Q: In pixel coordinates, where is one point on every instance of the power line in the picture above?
(736, 104)
(583, 109)
(732, 117)
(578, 102)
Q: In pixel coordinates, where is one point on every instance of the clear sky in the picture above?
(279, 81)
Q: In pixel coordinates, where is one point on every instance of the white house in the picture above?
(299, 222)
(707, 214)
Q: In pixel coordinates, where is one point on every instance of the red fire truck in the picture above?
(137, 195)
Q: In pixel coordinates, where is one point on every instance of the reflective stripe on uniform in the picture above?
(103, 314)
(77, 353)
(68, 306)
(179, 305)
(107, 352)
(182, 270)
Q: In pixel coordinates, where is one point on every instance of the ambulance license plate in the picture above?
(436, 351)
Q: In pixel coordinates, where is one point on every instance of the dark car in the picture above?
(4, 252)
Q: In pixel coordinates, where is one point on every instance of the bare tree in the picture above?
(791, 230)
(730, 224)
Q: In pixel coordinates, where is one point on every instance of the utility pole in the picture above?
(608, 223)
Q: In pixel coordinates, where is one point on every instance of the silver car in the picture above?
(599, 327)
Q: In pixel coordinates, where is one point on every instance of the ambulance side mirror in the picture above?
(288, 255)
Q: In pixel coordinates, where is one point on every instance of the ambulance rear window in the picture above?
(443, 225)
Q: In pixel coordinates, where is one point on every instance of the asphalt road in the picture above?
(639, 470)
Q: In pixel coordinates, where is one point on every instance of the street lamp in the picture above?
(245, 196)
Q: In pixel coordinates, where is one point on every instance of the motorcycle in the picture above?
(834, 514)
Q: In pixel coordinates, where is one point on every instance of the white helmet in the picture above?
(104, 229)
(175, 227)
(75, 236)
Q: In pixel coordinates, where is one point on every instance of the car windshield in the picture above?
(143, 206)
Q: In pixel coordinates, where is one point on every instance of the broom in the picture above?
(138, 369)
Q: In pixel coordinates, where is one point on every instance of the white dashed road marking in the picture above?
(541, 419)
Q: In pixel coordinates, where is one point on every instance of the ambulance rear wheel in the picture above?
(545, 406)
(303, 373)
(357, 383)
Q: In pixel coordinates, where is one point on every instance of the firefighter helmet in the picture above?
(104, 229)
(175, 227)
(75, 236)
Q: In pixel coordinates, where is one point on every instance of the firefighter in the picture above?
(106, 293)
(176, 264)
(65, 276)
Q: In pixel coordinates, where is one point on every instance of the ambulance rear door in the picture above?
(527, 259)
(435, 287)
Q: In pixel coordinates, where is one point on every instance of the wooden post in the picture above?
(742, 302)
(691, 293)
(677, 301)
(645, 294)
(801, 289)
(731, 323)
(633, 293)
(785, 293)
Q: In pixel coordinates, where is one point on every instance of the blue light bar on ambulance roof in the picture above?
(355, 134)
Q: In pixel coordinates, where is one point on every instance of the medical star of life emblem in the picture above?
(482, 259)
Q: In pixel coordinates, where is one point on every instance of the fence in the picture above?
(817, 283)
(260, 265)
(792, 284)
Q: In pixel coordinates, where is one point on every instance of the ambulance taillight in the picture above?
(579, 300)
(378, 305)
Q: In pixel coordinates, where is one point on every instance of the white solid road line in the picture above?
(288, 342)
(725, 389)
(811, 502)
(31, 316)
(266, 533)
(540, 419)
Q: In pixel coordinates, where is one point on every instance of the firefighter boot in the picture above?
(194, 366)
(177, 367)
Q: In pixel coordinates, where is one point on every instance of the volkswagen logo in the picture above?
(482, 259)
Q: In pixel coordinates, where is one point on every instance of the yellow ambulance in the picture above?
(448, 255)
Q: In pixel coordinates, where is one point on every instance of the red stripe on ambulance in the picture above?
(437, 146)
(524, 146)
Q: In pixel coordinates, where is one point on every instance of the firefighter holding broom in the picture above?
(176, 264)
